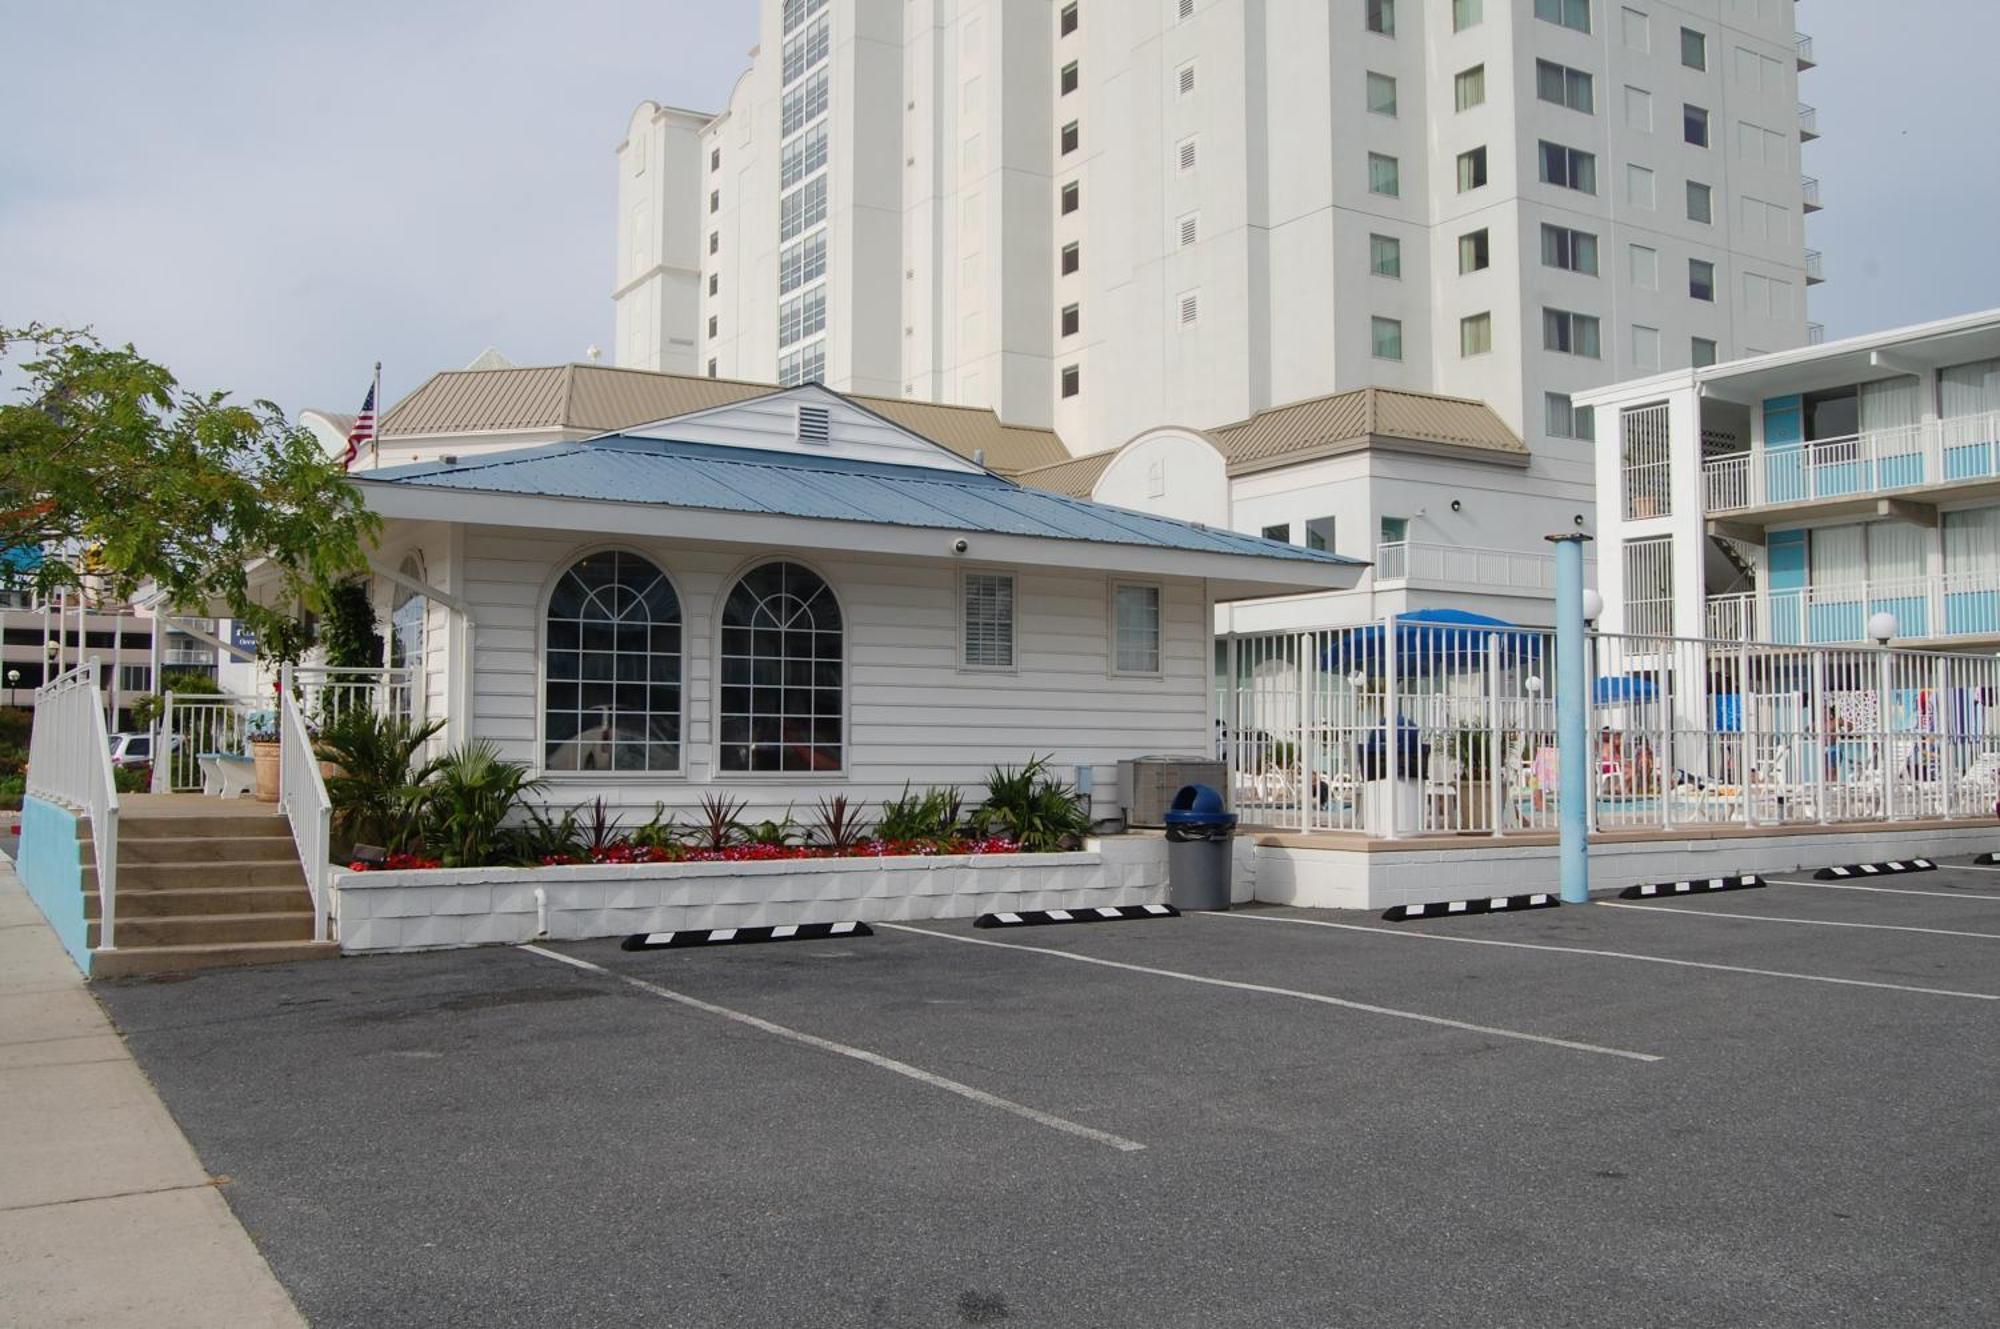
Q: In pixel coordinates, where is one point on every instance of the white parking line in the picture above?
(1319, 997)
(902, 1068)
(1969, 867)
(1608, 955)
(1880, 890)
(1807, 922)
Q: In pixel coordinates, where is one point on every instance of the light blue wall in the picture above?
(51, 867)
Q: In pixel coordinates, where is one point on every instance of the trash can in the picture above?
(1199, 832)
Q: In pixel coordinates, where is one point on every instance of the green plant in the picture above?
(1471, 746)
(542, 837)
(13, 788)
(467, 801)
(931, 815)
(377, 788)
(837, 825)
(600, 832)
(658, 832)
(781, 832)
(131, 779)
(718, 828)
(346, 632)
(1036, 811)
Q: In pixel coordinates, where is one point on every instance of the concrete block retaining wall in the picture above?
(425, 910)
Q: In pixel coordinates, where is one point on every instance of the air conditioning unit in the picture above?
(1147, 785)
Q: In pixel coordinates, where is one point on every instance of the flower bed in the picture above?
(627, 853)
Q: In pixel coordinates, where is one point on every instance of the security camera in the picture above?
(960, 545)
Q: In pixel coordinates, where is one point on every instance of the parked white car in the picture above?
(136, 749)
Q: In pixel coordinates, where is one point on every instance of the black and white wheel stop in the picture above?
(1403, 913)
(660, 941)
(1108, 913)
(1652, 890)
(1987, 859)
(1875, 869)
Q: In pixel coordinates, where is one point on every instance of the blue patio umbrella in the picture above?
(1620, 688)
(1434, 641)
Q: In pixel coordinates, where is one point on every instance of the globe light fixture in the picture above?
(1882, 627)
(1593, 605)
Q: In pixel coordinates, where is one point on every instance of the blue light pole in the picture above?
(1572, 732)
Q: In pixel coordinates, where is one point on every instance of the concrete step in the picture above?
(265, 821)
(203, 848)
(133, 877)
(183, 901)
(124, 963)
(208, 930)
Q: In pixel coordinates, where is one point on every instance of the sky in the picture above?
(270, 195)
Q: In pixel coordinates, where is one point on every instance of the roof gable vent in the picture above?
(815, 424)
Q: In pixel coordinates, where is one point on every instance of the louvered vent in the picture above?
(815, 424)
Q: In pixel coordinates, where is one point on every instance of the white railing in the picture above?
(1808, 122)
(1815, 267)
(302, 794)
(191, 726)
(69, 762)
(1453, 732)
(1809, 192)
(1932, 452)
(325, 691)
(1472, 565)
(1952, 604)
(1803, 44)
(1815, 334)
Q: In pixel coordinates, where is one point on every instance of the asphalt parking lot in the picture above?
(1774, 1107)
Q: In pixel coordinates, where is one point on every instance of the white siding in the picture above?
(913, 714)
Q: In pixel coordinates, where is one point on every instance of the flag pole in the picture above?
(375, 434)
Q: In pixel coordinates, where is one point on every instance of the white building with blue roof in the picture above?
(789, 596)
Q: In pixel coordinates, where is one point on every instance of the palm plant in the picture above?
(377, 786)
(544, 836)
(1036, 811)
(469, 799)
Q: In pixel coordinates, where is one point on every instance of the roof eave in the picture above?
(1473, 452)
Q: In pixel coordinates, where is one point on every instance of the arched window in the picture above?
(781, 672)
(406, 641)
(612, 693)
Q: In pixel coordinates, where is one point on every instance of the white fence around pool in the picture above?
(1434, 726)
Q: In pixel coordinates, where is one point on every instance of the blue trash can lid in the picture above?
(1199, 805)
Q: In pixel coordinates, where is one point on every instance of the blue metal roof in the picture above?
(618, 468)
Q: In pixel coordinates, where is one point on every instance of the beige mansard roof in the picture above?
(600, 399)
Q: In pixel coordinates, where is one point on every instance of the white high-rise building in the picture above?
(1113, 215)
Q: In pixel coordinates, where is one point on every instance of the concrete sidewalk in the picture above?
(106, 1217)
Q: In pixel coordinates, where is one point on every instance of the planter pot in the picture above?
(1475, 805)
(1382, 799)
(266, 755)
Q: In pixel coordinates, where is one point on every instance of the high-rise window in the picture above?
(1385, 338)
(1385, 175)
(1066, 24)
(1472, 169)
(803, 208)
(805, 49)
(801, 156)
(1702, 352)
(1072, 197)
(1565, 420)
(714, 282)
(1069, 137)
(715, 159)
(1701, 279)
(802, 263)
(1571, 334)
(1385, 256)
(1474, 251)
(1568, 13)
(1466, 13)
(1319, 533)
(802, 316)
(1701, 204)
(1694, 125)
(1381, 94)
(711, 367)
(714, 241)
(1072, 380)
(711, 326)
(1572, 250)
(1072, 258)
(1570, 168)
(803, 104)
(1468, 89)
(1564, 86)
(1475, 334)
(1694, 49)
(1382, 17)
(715, 200)
(1072, 320)
(1069, 78)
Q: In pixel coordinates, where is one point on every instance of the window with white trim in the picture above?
(1569, 168)
(1385, 175)
(801, 263)
(1472, 169)
(803, 104)
(1385, 338)
(1468, 88)
(1570, 333)
(988, 629)
(1569, 249)
(1381, 94)
(802, 156)
(1475, 334)
(1563, 86)
(781, 691)
(1565, 419)
(1385, 256)
(1565, 13)
(802, 209)
(1649, 586)
(611, 656)
(1135, 628)
(1381, 17)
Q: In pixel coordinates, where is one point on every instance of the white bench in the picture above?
(226, 774)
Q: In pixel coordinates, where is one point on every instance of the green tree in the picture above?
(110, 468)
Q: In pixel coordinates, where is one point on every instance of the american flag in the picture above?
(363, 431)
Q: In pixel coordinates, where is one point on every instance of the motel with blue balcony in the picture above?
(1792, 497)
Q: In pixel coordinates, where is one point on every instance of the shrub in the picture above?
(467, 802)
(658, 832)
(931, 815)
(378, 790)
(1032, 808)
(776, 834)
(543, 838)
(129, 779)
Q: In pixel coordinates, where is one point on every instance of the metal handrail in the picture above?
(302, 794)
(69, 762)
